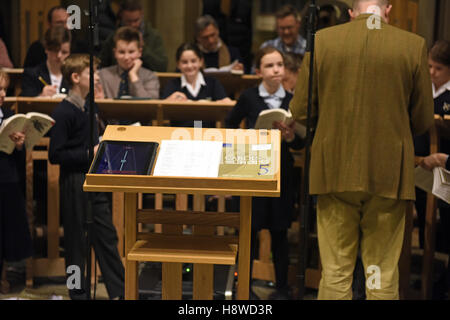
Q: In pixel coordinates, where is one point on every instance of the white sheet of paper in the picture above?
(188, 158)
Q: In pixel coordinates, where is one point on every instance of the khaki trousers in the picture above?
(352, 220)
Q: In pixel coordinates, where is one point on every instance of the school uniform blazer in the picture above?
(146, 87)
(372, 91)
(32, 86)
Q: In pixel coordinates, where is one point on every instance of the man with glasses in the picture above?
(154, 57)
(288, 28)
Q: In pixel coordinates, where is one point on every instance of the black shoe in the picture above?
(77, 294)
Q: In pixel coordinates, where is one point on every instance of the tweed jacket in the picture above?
(371, 93)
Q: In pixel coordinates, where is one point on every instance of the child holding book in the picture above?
(193, 85)
(69, 147)
(15, 238)
(274, 214)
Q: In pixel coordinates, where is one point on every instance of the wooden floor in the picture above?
(47, 289)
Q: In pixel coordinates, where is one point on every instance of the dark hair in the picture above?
(127, 34)
(203, 22)
(264, 51)
(186, 47)
(440, 52)
(55, 37)
(50, 12)
(286, 11)
(130, 5)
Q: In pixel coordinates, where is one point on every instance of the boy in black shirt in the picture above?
(69, 147)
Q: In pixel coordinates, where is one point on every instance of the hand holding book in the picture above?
(286, 129)
(18, 138)
(434, 160)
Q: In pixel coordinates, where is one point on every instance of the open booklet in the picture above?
(225, 69)
(266, 118)
(436, 182)
(212, 159)
(33, 124)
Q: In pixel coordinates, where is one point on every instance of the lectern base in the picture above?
(150, 282)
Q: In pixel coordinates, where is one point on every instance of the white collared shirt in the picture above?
(56, 80)
(275, 100)
(199, 82)
(441, 90)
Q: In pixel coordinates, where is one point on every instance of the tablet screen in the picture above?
(125, 157)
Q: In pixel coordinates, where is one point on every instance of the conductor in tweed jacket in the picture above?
(372, 92)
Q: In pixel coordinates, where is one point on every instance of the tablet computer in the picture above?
(125, 158)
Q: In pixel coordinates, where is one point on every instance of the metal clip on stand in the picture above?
(93, 43)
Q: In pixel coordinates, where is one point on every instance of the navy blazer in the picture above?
(32, 86)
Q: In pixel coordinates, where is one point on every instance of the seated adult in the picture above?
(5, 61)
(46, 79)
(288, 29)
(215, 52)
(56, 17)
(154, 55)
(128, 77)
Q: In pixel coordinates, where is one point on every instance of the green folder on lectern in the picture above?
(247, 161)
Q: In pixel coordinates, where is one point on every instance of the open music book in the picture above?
(225, 69)
(267, 117)
(34, 124)
(436, 182)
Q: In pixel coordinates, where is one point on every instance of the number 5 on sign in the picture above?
(264, 168)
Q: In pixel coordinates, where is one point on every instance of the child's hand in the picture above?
(133, 73)
(238, 66)
(177, 96)
(95, 149)
(287, 131)
(49, 91)
(98, 91)
(18, 138)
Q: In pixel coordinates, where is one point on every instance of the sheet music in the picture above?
(188, 158)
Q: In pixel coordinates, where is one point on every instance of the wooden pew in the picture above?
(233, 84)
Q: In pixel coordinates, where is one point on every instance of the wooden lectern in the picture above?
(171, 247)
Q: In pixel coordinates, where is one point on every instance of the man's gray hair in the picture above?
(203, 22)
